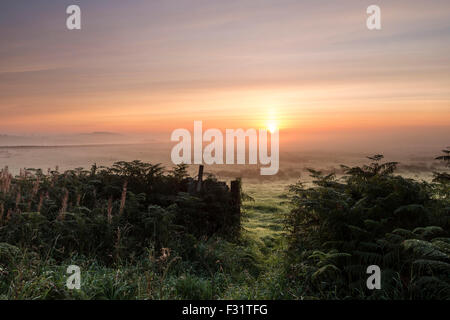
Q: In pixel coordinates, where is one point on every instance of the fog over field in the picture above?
(318, 151)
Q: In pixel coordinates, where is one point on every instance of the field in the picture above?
(247, 269)
(139, 231)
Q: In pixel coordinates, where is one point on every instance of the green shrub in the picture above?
(112, 213)
(339, 227)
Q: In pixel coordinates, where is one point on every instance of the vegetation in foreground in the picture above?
(339, 227)
(163, 242)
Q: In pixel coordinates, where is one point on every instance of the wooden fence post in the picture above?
(200, 178)
(235, 187)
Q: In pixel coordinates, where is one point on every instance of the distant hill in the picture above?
(98, 137)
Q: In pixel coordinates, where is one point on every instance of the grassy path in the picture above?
(264, 216)
(263, 234)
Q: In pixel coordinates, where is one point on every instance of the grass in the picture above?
(253, 267)
(264, 233)
(264, 215)
(248, 269)
(258, 264)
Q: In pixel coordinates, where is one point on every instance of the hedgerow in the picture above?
(113, 213)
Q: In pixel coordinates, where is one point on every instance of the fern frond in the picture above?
(424, 249)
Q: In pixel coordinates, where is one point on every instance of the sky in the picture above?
(311, 67)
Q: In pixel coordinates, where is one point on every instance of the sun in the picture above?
(272, 126)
